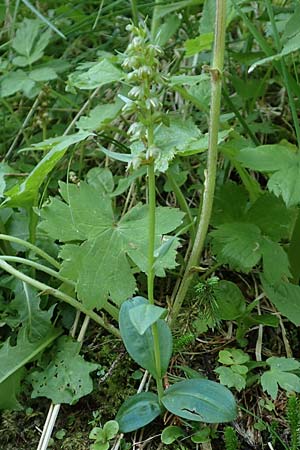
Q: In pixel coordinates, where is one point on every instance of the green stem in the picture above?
(284, 72)
(58, 294)
(151, 271)
(34, 248)
(38, 266)
(135, 13)
(210, 180)
(155, 20)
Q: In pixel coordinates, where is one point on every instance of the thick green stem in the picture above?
(38, 251)
(58, 294)
(151, 271)
(37, 266)
(210, 179)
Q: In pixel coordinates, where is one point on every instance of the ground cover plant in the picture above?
(149, 225)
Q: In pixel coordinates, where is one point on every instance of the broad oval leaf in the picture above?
(137, 411)
(143, 316)
(140, 347)
(200, 400)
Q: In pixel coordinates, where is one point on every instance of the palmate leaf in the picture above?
(280, 375)
(67, 377)
(242, 245)
(100, 266)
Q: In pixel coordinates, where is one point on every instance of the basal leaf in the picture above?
(171, 433)
(201, 401)
(137, 411)
(228, 377)
(26, 192)
(67, 377)
(101, 179)
(141, 347)
(143, 316)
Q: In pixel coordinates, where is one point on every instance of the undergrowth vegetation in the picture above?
(149, 225)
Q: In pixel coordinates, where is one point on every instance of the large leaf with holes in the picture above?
(67, 376)
(25, 193)
(13, 359)
(101, 267)
(140, 346)
(201, 401)
(137, 411)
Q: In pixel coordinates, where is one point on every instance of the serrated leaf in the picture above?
(137, 411)
(279, 374)
(275, 261)
(266, 158)
(99, 116)
(286, 297)
(143, 316)
(200, 400)
(230, 300)
(285, 164)
(99, 74)
(101, 179)
(198, 44)
(228, 377)
(238, 244)
(111, 428)
(141, 347)
(102, 263)
(26, 34)
(271, 215)
(29, 42)
(229, 204)
(67, 377)
(25, 193)
(43, 74)
(29, 314)
(14, 82)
